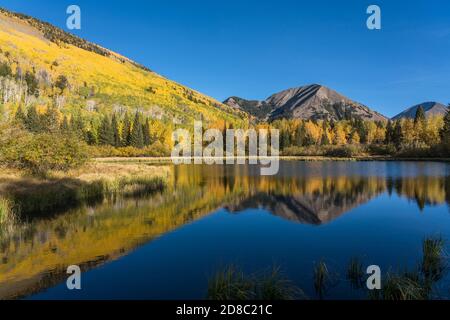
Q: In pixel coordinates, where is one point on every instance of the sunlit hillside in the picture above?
(99, 81)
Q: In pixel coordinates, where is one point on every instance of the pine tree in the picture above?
(90, 138)
(126, 131)
(224, 137)
(389, 133)
(5, 70)
(397, 137)
(32, 83)
(115, 129)
(62, 83)
(105, 133)
(77, 126)
(420, 116)
(300, 135)
(50, 120)
(146, 130)
(33, 121)
(137, 136)
(20, 117)
(325, 139)
(361, 129)
(445, 131)
(285, 139)
(65, 128)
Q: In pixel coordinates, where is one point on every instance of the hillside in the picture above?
(255, 108)
(430, 108)
(306, 102)
(98, 80)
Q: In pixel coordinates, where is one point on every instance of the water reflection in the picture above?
(34, 255)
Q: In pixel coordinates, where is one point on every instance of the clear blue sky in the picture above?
(253, 48)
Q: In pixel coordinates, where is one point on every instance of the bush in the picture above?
(232, 284)
(40, 153)
(414, 152)
(157, 149)
(304, 151)
(5, 69)
(381, 150)
(344, 151)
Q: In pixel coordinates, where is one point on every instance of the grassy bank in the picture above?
(31, 196)
(168, 160)
(6, 210)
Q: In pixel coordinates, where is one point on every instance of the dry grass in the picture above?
(61, 191)
(95, 171)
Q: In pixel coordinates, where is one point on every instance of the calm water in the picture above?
(167, 245)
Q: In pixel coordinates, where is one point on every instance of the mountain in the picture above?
(306, 102)
(255, 108)
(430, 108)
(98, 80)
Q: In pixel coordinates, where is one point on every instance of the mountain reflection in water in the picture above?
(34, 255)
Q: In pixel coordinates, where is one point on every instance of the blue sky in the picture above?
(252, 48)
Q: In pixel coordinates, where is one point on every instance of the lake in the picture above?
(168, 244)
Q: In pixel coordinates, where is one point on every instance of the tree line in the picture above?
(114, 131)
(418, 133)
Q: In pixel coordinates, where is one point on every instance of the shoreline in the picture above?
(168, 160)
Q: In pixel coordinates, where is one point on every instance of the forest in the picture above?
(41, 131)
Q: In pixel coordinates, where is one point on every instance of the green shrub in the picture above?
(295, 151)
(401, 287)
(232, 284)
(381, 149)
(157, 149)
(433, 263)
(355, 273)
(40, 153)
(347, 151)
(415, 152)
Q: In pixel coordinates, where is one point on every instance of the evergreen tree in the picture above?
(420, 116)
(90, 138)
(224, 137)
(5, 70)
(77, 126)
(300, 135)
(49, 120)
(445, 131)
(33, 121)
(32, 83)
(389, 137)
(20, 117)
(65, 128)
(126, 131)
(285, 139)
(62, 83)
(325, 139)
(105, 133)
(397, 137)
(115, 129)
(146, 130)
(137, 136)
(361, 129)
